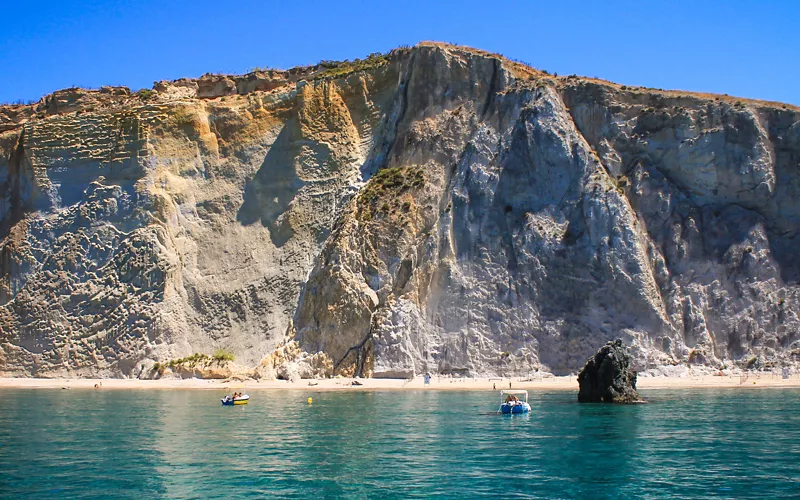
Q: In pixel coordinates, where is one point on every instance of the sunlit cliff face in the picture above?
(437, 209)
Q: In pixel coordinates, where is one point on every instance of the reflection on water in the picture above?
(184, 444)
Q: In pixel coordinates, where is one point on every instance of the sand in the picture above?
(437, 383)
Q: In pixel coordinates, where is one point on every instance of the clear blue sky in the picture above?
(744, 48)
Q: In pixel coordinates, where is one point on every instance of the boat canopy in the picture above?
(503, 393)
(514, 393)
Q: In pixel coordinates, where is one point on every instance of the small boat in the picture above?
(238, 400)
(512, 404)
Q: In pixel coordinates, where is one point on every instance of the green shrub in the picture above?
(386, 186)
(188, 360)
(222, 355)
(259, 69)
(146, 93)
(335, 69)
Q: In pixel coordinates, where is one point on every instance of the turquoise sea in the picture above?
(184, 444)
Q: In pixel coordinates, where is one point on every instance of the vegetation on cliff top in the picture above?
(336, 69)
(146, 94)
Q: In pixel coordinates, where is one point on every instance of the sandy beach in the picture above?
(436, 383)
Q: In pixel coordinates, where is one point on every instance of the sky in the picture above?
(737, 47)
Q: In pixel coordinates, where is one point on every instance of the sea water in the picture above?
(393, 444)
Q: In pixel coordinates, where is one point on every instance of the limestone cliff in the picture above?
(433, 209)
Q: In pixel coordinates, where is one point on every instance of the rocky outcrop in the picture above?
(607, 377)
(435, 209)
(193, 367)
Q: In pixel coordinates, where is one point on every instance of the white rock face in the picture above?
(443, 210)
(557, 217)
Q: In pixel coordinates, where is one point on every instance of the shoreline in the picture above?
(566, 383)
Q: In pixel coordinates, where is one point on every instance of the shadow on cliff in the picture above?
(784, 250)
(533, 183)
(268, 196)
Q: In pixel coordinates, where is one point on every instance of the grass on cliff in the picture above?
(189, 360)
(336, 69)
(222, 355)
(146, 94)
(219, 356)
(386, 186)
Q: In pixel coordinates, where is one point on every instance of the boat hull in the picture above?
(235, 402)
(507, 408)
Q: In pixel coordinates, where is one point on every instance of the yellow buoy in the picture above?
(310, 401)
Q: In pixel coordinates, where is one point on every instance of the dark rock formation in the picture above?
(608, 378)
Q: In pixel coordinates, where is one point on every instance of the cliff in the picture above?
(433, 209)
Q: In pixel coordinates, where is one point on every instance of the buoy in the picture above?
(310, 401)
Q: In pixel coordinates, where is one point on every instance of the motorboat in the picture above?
(238, 400)
(511, 402)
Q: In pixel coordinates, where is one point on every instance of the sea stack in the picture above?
(608, 378)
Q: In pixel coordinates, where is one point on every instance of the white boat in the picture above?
(511, 402)
(238, 400)
(240, 397)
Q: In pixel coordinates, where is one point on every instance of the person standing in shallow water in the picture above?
(509, 385)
